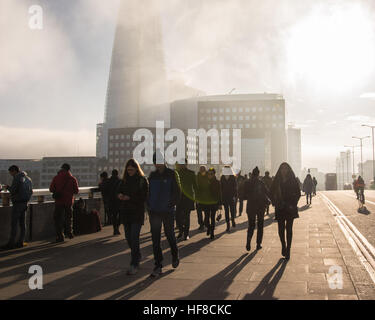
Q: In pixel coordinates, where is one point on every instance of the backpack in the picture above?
(25, 190)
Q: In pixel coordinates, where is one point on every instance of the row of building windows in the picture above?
(240, 118)
(245, 126)
(231, 110)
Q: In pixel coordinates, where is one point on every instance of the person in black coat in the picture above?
(103, 187)
(241, 180)
(229, 195)
(188, 188)
(308, 188)
(285, 194)
(132, 193)
(113, 202)
(257, 199)
(201, 197)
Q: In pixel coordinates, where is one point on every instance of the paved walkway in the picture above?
(94, 266)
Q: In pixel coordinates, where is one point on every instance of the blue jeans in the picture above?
(18, 217)
(156, 221)
(132, 231)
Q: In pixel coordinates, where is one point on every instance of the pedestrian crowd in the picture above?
(169, 196)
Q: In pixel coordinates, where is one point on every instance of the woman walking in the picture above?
(285, 193)
(214, 202)
(229, 195)
(132, 193)
(308, 188)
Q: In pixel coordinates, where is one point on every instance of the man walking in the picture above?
(113, 202)
(21, 191)
(163, 197)
(63, 187)
(188, 189)
(257, 198)
(241, 191)
(267, 180)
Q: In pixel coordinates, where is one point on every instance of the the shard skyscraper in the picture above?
(137, 94)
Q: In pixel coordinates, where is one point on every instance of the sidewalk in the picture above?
(94, 266)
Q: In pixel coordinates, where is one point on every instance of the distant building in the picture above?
(83, 168)
(101, 141)
(294, 149)
(344, 169)
(32, 167)
(368, 174)
(261, 118)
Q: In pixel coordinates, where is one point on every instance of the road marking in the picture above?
(351, 196)
(363, 249)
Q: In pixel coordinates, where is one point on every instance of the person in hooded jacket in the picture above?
(257, 196)
(214, 202)
(241, 192)
(267, 180)
(64, 186)
(229, 195)
(201, 197)
(113, 201)
(132, 193)
(308, 188)
(315, 185)
(285, 194)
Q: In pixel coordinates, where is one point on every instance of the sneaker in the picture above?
(59, 240)
(70, 236)
(283, 251)
(248, 247)
(175, 263)
(20, 245)
(259, 247)
(180, 235)
(132, 271)
(208, 231)
(156, 272)
(233, 224)
(186, 238)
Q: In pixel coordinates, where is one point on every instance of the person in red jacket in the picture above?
(63, 187)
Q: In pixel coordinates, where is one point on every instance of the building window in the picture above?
(221, 118)
(260, 109)
(208, 110)
(254, 109)
(227, 110)
(227, 117)
(240, 118)
(221, 110)
(240, 110)
(234, 126)
(234, 118)
(247, 109)
(214, 118)
(228, 126)
(247, 118)
(214, 110)
(247, 125)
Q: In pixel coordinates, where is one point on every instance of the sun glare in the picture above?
(333, 48)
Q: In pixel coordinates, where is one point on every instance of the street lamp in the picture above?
(353, 155)
(361, 139)
(373, 149)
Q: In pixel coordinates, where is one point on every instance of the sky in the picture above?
(318, 53)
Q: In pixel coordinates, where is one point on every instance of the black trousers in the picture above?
(114, 214)
(200, 215)
(241, 206)
(230, 206)
(183, 220)
(63, 218)
(286, 224)
(259, 216)
(210, 218)
(308, 196)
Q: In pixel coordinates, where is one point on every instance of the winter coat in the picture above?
(188, 188)
(285, 197)
(164, 192)
(111, 189)
(241, 187)
(65, 184)
(308, 186)
(215, 198)
(267, 182)
(256, 194)
(203, 189)
(228, 189)
(103, 187)
(21, 188)
(132, 211)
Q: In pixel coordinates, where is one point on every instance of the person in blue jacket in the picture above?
(163, 196)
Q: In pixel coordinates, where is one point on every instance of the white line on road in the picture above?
(364, 250)
(367, 201)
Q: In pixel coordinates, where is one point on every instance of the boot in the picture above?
(283, 249)
(212, 236)
(228, 226)
(233, 223)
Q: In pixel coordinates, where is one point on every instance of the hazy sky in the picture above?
(318, 53)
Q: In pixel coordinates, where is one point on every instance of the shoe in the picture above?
(8, 246)
(60, 239)
(259, 247)
(212, 236)
(116, 233)
(70, 236)
(228, 227)
(156, 272)
(20, 245)
(132, 271)
(287, 254)
(186, 238)
(201, 228)
(233, 224)
(175, 263)
(248, 247)
(208, 231)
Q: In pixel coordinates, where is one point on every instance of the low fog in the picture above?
(317, 53)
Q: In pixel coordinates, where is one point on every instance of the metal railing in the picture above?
(44, 195)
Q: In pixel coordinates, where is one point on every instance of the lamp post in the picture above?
(361, 139)
(373, 149)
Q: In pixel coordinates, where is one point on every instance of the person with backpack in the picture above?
(201, 197)
(163, 196)
(229, 195)
(113, 202)
(21, 191)
(257, 196)
(132, 193)
(63, 188)
(188, 188)
(214, 202)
